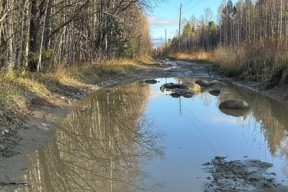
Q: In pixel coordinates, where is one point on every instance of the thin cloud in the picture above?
(157, 39)
(222, 119)
(160, 21)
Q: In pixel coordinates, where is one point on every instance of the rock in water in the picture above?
(151, 81)
(235, 113)
(193, 87)
(217, 84)
(215, 92)
(234, 104)
(174, 95)
(203, 83)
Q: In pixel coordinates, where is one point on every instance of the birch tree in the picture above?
(41, 34)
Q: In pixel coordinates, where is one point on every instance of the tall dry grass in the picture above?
(260, 61)
(192, 54)
(228, 59)
(265, 60)
(13, 83)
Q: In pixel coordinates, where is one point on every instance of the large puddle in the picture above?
(134, 137)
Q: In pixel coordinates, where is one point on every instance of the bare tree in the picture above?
(41, 34)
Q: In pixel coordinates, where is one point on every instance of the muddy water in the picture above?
(134, 137)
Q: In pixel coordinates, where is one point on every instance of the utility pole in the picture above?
(180, 12)
(165, 40)
(180, 19)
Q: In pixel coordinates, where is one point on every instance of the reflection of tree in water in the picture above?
(271, 115)
(100, 148)
(206, 97)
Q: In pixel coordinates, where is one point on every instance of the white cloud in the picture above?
(160, 21)
(155, 93)
(224, 120)
(158, 26)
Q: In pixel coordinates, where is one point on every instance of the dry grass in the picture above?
(227, 59)
(196, 55)
(6, 87)
(261, 61)
(13, 87)
(224, 56)
(253, 63)
(120, 62)
(13, 84)
(124, 63)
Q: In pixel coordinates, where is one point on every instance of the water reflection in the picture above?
(104, 142)
(100, 146)
(202, 130)
(271, 115)
(235, 112)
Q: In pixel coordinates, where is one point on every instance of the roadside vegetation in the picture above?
(14, 86)
(249, 41)
(51, 42)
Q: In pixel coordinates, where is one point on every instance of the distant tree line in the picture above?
(256, 32)
(243, 22)
(38, 35)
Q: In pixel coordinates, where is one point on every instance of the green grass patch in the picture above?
(231, 70)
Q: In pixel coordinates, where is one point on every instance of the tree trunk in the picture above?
(33, 31)
(27, 32)
(10, 32)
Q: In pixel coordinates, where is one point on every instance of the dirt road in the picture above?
(23, 133)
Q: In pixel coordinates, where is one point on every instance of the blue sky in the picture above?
(166, 16)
